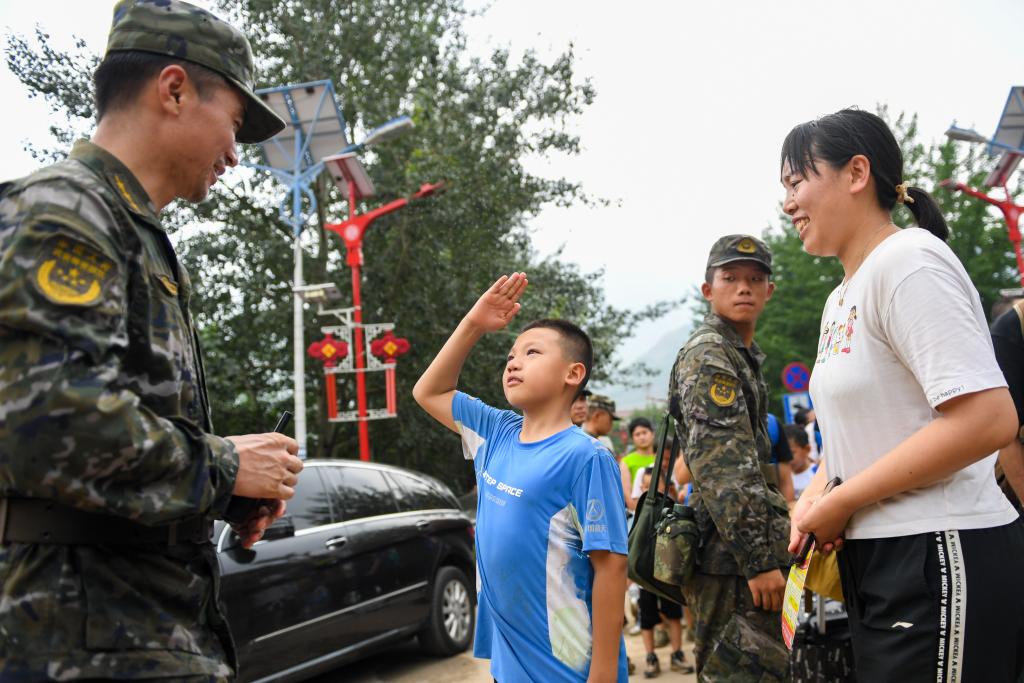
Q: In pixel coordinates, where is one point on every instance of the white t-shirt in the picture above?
(638, 483)
(909, 335)
(802, 480)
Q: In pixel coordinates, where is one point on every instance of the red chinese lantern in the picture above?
(329, 350)
(388, 348)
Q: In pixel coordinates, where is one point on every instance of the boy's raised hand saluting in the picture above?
(499, 304)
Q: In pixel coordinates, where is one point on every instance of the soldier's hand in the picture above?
(267, 465)
(768, 589)
(499, 304)
(253, 528)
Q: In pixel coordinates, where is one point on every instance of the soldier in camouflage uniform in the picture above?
(718, 397)
(110, 475)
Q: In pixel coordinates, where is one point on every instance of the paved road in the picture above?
(405, 664)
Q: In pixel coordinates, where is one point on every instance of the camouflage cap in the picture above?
(183, 31)
(732, 248)
(602, 402)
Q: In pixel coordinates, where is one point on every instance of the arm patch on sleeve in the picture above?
(70, 272)
(723, 390)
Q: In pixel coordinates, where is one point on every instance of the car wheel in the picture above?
(449, 629)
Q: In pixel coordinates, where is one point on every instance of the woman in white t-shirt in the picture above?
(912, 408)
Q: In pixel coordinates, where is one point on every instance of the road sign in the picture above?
(794, 402)
(796, 377)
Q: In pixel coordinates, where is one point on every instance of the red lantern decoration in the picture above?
(330, 351)
(388, 348)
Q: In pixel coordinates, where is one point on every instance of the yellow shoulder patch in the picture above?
(723, 390)
(169, 285)
(746, 246)
(72, 273)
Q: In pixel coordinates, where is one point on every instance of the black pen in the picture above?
(282, 422)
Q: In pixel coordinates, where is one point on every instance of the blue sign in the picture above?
(796, 377)
(794, 402)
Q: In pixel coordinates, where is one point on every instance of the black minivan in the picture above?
(366, 555)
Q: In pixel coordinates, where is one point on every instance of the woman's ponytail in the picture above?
(926, 212)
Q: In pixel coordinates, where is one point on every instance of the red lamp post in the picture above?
(1011, 214)
(351, 232)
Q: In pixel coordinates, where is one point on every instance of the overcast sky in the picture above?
(693, 101)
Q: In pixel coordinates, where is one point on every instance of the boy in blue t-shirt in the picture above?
(550, 526)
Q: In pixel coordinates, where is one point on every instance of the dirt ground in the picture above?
(405, 664)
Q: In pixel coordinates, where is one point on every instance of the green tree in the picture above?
(789, 328)
(476, 120)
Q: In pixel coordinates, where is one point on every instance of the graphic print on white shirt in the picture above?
(837, 337)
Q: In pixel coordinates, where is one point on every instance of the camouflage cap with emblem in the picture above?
(183, 31)
(602, 402)
(733, 248)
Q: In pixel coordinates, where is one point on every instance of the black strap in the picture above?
(652, 497)
(33, 520)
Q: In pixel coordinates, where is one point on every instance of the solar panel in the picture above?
(347, 167)
(313, 117)
(1009, 134)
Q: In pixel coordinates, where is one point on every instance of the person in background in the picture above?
(801, 468)
(600, 420)
(578, 410)
(655, 610)
(1008, 342)
(782, 457)
(805, 417)
(641, 434)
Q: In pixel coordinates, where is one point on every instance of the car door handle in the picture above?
(422, 525)
(335, 542)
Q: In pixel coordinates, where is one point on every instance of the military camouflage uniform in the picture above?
(719, 399)
(103, 409)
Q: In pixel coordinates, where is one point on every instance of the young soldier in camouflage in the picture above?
(110, 475)
(718, 397)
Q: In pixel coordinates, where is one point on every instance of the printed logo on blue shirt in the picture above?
(595, 510)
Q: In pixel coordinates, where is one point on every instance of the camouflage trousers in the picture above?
(735, 641)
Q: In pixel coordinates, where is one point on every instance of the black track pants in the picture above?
(941, 607)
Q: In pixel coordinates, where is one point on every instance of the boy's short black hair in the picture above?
(576, 344)
(800, 416)
(797, 434)
(122, 74)
(638, 422)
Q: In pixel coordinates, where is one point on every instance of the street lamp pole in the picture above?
(351, 232)
(1011, 214)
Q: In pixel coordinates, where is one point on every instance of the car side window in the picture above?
(361, 492)
(415, 493)
(310, 506)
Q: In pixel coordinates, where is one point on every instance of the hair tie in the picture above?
(901, 194)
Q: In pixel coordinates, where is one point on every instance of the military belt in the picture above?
(771, 474)
(33, 520)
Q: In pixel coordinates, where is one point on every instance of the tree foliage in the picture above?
(789, 328)
(477, 120)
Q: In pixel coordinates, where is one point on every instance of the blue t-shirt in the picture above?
(541, 507)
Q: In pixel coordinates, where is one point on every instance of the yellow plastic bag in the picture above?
(823, 575)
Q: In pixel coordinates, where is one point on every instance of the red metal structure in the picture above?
(1011, 214)
(329, 350)
(351, 232)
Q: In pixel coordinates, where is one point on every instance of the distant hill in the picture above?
(660, 356)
